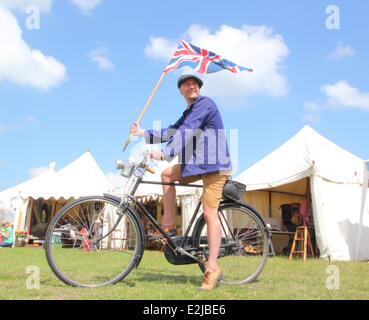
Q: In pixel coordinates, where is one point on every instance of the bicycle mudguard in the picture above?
(138, 220)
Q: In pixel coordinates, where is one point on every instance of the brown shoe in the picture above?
(170, 231)
(211, 279)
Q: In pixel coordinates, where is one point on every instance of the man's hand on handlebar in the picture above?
(157, 155)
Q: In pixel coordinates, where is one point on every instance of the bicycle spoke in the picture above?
(73, 252)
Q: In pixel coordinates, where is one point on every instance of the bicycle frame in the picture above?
(130, 198)
(175, 248)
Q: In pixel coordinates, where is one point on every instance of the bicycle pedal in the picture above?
(153, 237)
(202, 260)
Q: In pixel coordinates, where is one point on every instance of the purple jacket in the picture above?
(198, 138)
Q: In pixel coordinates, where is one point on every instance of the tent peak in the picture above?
(307, 128)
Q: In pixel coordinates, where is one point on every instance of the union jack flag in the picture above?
(201, 60)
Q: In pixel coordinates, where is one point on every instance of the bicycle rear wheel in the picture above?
(84, 250)
(244, 246)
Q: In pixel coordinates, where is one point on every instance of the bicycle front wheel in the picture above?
(244, 246)
(91, 242)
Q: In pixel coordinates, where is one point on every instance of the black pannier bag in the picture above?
(233, 190)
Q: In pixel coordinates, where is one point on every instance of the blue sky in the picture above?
(81, 73)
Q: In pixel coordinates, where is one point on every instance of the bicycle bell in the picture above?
(126, 167)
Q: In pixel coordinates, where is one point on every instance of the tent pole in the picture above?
(282, 192)
(54, 208)
(31, 215)
(270, 204)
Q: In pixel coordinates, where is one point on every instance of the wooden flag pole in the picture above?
(145, 107)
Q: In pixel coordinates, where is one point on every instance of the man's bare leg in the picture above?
(211, 216)
(214, 230)
(169, 196)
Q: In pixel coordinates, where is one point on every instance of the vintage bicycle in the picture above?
(97, 240)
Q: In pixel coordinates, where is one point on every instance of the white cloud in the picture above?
(312, 106)
(338, 95)
(3, 127)
(34, 172)
(342, 94)
(43, 5)
(160, 48)
(31, 119)
(256, 47)
(100, 57)
(341, 52)
(311, 117)
(21, 64)
(86, 5)
(312, 112)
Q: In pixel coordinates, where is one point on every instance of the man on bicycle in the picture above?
(198, 138)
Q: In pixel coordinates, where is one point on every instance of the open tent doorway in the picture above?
(309, 164)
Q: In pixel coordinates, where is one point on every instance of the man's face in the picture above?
(190, 89)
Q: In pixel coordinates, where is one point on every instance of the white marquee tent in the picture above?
(310, 165)
(82, 177)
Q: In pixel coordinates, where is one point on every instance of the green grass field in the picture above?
(156, 279)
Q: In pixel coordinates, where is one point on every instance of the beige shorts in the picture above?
(213, 185)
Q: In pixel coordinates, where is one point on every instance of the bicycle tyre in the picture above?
(244, 246)
(77, 256)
